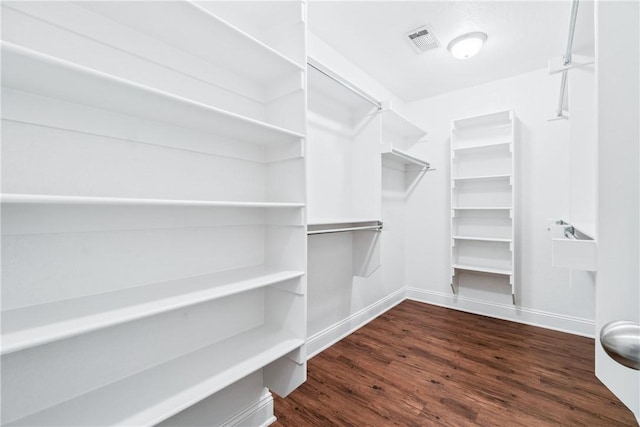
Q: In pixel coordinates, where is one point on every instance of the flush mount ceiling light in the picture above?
(467, 45)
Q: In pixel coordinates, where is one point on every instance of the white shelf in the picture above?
(482, 177)
(33, 72)
(333, 221)
(400, 125)
(396, 155)
(482, 269)
(501, 119)
(155, 394)
(121, 201)
(481, 146)
(233, 48)
(483, 239)
(40, 324)
(483, 208)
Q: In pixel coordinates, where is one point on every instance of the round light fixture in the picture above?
(467, 45)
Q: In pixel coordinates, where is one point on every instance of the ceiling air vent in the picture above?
(422, 39)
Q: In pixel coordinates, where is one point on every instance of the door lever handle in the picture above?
(621, 341)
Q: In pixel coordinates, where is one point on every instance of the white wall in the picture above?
(338, 302)
(546, 296)
(618, 282)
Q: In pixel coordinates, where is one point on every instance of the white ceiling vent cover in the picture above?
(422, 39)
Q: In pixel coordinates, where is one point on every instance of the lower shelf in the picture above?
(31, 326)
(482, 269)
(158, 393)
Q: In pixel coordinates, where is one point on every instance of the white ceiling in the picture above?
(523, 35)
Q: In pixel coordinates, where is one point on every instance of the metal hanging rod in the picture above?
(343, 82)
(376, 227)
(567, 55)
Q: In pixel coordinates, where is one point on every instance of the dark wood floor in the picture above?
(422, 365)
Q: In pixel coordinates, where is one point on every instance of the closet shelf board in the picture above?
(400, 125)
(155, 394)
(31, 326)
(33, 72)
(483, 239)
(333, 221)
(396, 155)
(482, 269)
(481, 146)
(481, 177)
(482, 208)
(9, 198)
(209, 36)
(498, 120)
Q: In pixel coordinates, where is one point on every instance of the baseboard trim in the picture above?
(543, 319)
(334, 333)
(259, 414)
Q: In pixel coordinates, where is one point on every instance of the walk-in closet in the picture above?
(320, 213)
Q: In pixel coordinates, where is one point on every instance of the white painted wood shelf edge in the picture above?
(31, 326)
(482, 208)
(10, 198)
(500, 271)
(481, 177)
(400, 125)
(396, 155)
(483, 239)
(155, 394)
(247, 39)
(333, 221)
(480, 146)
(30, 71)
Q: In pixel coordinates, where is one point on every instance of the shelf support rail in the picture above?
(314, 64)
(375, 227)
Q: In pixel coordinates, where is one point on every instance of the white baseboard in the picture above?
(259, 414)
(558, 322)
(331, 335)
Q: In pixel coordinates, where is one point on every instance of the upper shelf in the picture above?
(209, 36)
(398, 125)
(155, 394)
(482, 146)
(481, 177)
(33, 72)
(493, 120)
(405, 158)
(122, 201)
(40, 324)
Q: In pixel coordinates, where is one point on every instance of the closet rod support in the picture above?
(313, 64)
(377, 227)
(567, 55)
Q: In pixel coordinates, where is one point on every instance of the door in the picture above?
(617, 280)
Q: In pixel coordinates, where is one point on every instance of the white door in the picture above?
(618, 93)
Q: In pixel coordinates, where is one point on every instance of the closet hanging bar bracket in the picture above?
(558, 64)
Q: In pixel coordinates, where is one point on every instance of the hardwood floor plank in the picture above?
(423, 365)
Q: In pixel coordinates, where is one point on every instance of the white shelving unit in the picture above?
(157, 393)
(154, 207)
(398, 135)
(483, 197)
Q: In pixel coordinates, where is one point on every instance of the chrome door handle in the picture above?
(621, 341)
